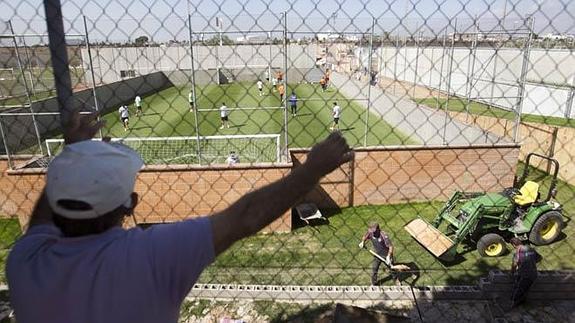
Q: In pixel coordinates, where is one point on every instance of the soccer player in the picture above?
(138, 104)
(124, 116)
(261, 87)
(280, 76)
(327, 77)
(336, 112)
(233, 158)
(224, 116)
(191, 101)
(282, 91)
(322, 83)
(274, 84)
(293, 103)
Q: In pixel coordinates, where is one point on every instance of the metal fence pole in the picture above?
(369, 57)
(395, 65)
(524, 67)
(19, 61)
(193, 89)
(416, 62)
(285, 80)
(470, 69)
(87, 37)
(6, 149)
(437, 105)
(270, 58)
(59, 60)
(448, 89)
(29, 65)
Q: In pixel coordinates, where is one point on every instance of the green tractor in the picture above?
(488, 219)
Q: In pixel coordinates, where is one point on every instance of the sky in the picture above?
(162, 20)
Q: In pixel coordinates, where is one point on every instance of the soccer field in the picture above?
(166, 114)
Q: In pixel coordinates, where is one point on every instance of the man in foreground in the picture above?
(77, 264)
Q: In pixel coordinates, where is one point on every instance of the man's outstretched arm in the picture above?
(255, 210)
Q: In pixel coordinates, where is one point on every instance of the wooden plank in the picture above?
(430, 237)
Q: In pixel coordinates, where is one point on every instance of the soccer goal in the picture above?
(205, 150)
(7, 74)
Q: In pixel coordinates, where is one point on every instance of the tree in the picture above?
(214, 41)
(142, 40)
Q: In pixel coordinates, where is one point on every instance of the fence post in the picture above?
(471, 69)
(6, 149)
(437, 105)
(448, 90)
(416, 61)
(524, 66)
(86, 36)
(285, 81)
(59, 60)
(369, 81)
(19, 61)
(569, 104)
(28, 63)
(193, 89)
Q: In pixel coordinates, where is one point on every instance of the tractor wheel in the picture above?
(491, 245)
(547, 228)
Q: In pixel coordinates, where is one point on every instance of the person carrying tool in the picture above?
(524, 270)
(383, 251)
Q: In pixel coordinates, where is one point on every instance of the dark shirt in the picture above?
(293, 100)
(526, 260)
(380, 240)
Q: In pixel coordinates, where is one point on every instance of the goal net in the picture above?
(196, 150)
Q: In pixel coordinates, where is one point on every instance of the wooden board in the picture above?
(429, 236)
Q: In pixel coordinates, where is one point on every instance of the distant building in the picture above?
(558, 37)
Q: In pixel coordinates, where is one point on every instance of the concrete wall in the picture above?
(167, 194)
(19, 129)
(382, 175)
(377, 176)
(109, 61)
(495, 74)
(556, 142)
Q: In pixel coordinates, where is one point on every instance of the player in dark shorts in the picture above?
(293, 104)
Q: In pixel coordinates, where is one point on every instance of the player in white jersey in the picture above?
(233, 158)
(124, 116)
(260, 87)
(224, 116)
(191, 101)
(138, 104)
(336, 113)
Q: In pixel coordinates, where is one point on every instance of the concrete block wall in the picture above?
(384, 175)
(377, 176)
(167, 194)
(534, 137)
(19, 129)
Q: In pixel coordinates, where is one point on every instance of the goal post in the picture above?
(261, 148)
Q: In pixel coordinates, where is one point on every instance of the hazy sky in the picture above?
(161, 20)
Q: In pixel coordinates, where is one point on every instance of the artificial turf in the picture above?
(167, 113)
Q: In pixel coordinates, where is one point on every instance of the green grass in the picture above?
(166, 114)
(458, 104)
(9, 233)
(329, 255)
(20, 100)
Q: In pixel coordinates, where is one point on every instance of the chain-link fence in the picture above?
(443, 103)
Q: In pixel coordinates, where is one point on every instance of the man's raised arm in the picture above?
(255, 210)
